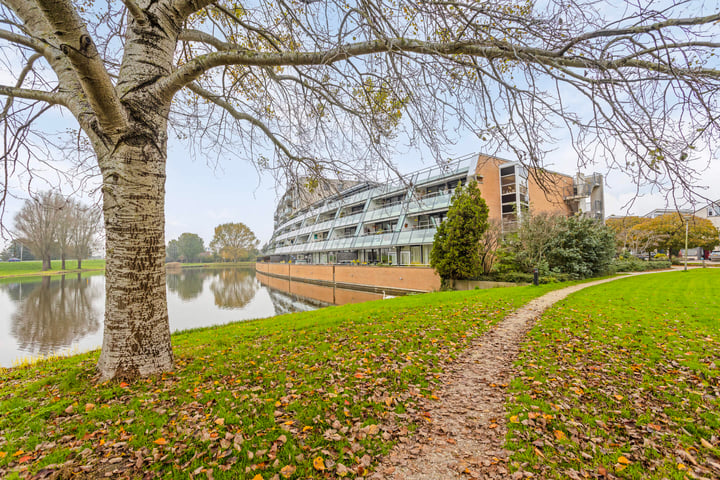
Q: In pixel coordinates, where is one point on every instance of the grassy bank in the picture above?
(34, 268)
(217, 265)
(310, 395)
(623, 380)
(14, 269)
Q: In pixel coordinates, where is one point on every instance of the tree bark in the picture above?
(62, 260)
(46, 265)
(79, 266)
(136, 339)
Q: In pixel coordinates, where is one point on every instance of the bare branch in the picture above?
(136, 12)
(77, 45)
(189, 35)
(52, 98)
(225, 105)
(655, 27)
(203, 63)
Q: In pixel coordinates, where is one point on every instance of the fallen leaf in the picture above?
(514, 419)
(257, 477)
(559, 435)
(319, 464)
(219, 421)
(287, 471)
(161, 441)
(705, 443)
(623, 460)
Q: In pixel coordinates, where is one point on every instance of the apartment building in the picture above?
(395, 223)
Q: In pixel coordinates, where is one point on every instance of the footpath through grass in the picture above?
(312, 395)
(9, 269)
(623, 380)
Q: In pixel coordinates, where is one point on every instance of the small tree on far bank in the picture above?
(234, 242)
(456, 252)
(190, 246)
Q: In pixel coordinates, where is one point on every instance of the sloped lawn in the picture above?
(623, 381)
(313, 395)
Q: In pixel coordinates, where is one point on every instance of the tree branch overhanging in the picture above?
(53, 98)
(494, 51)
(237, 115)
(79, 48)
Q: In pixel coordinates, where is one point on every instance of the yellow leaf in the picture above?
(618, 397)
(681, 466)
(319, 464)
(257, 477)
(161, 441)
(514, 419)
(623, 460)
(278, 403)
(287, 471)
(307, 428)
(559, 435)
(3, 454)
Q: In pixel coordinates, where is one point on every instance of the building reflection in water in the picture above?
(54, 312)
(322, 295)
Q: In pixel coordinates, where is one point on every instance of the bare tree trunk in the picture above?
(62, 259)
(79, 263)
(136, 340)
(46, 264)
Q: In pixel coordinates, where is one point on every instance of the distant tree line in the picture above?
(53, 226)
(665, 232)
(232, 242)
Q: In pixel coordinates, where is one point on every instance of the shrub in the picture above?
(632, 264)
(578, 246)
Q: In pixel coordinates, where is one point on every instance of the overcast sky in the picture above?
(200, 197)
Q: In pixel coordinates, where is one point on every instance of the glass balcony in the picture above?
(384, 212)
(433, 201)
(416, 236)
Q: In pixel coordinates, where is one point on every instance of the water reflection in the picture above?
(234, 288)
(54, 313)
(187, 284)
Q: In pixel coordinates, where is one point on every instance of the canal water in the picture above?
(61, 314)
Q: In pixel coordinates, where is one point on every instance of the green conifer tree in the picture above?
(456, 248)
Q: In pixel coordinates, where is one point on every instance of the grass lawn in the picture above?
(623, 380)
(35, 267)
(311, 395)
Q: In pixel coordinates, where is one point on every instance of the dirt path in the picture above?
(466, 434)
